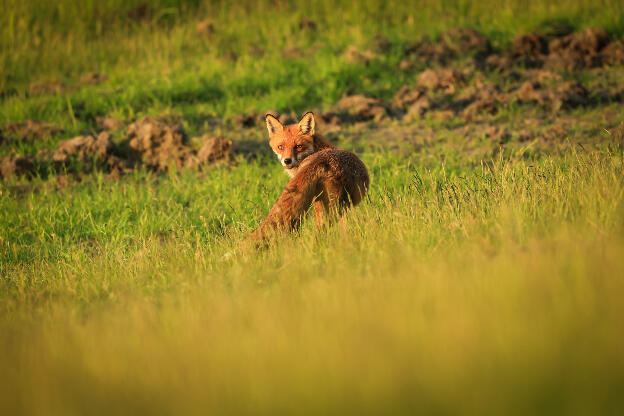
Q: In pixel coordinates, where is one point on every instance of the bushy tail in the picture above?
(294, 201)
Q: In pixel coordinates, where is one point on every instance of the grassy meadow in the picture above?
(481, 276)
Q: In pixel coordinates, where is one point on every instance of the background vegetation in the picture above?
(479, 277)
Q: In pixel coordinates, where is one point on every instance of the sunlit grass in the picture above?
(490, 289)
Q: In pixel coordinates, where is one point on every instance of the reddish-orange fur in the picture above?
(330, 178)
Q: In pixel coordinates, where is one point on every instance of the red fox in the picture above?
(331, 179)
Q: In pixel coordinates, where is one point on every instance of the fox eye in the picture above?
(298, 147)
(280, 147)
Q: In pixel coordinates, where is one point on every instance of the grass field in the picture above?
(483, 275)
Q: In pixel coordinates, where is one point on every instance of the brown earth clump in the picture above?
(563, 95)
(359, 107)
(484, 97)
(11, 166)
(569, 51)
(578, 50)
(413, 101)
(156, 144)
(29, 130)
(85, 148)
(466, 41)
(613, 53)
(529, 49)
(452, 44)
(445, 79)
(214, 149)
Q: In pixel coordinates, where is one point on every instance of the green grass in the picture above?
(160, 62)
(455, 289)
(479, 277)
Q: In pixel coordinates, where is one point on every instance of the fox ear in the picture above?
(273, 124)
(306, 125)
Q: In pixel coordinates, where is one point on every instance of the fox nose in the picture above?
(287, 161)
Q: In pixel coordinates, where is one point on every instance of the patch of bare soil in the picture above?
(156, 144)
(484, 97)
(613, 53)
(160, 146)
(568, 51)
(28, 131)
(563, 95)
(214, 149)
(445, 79)
(359, 107)
(85, 148)
(578, 50)
(11, 166)
(414, 102)
(452, 44)
(529, 49)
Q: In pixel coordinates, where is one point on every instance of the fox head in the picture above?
(292, 143)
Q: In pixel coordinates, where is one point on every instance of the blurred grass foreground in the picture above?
(484, 274)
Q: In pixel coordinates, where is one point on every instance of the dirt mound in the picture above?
(529, 49)
(214, 149)
(452, 44)
(466, 41)
(156, 144)
(578, 50)
(613, 53)
(570, 51)
(413, 101)
(15, 166)
(29, 130)
(484, 97)
(563, 95)
(85, 148)
(361, 108)
(445, 79)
